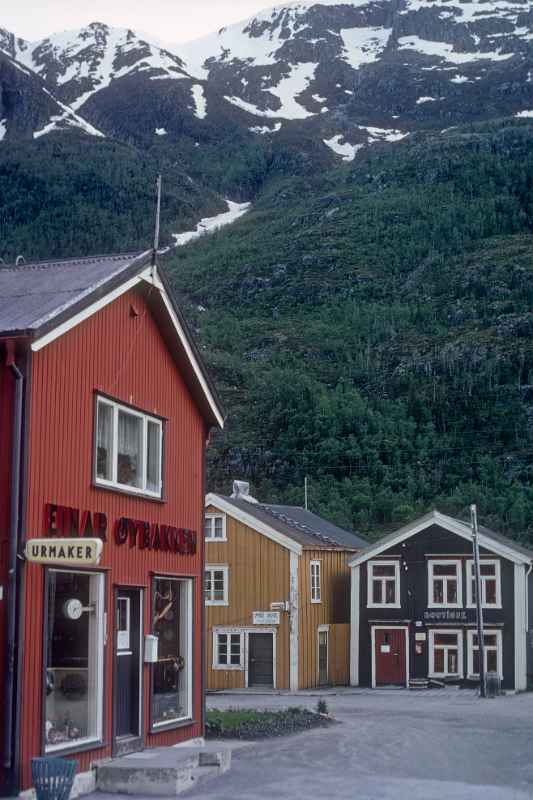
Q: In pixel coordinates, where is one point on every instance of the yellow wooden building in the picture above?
(277, 593)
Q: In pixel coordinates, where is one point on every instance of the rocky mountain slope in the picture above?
(369, 318)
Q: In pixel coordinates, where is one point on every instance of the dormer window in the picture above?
(444, 583)
(383, 584)
(215, 528)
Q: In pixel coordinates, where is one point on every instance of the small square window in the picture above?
(216, 585)
(215, 527)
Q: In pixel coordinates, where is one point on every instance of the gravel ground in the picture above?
(387, 745)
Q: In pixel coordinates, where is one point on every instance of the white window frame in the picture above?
(218, 568)
(187, 621)
(316, 587)
(229, 632)
(370, 580)
(113, 483)
(445, 631)
(470, 577)
(444, 578)
(470, 650)
(210, 517)
(96, 654)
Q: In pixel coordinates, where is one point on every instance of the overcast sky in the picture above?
(167, 20)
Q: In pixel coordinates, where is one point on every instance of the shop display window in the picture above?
(74, 659)
(172, 674)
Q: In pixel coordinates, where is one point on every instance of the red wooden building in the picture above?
(105, 410)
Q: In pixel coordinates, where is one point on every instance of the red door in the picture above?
(390, 656)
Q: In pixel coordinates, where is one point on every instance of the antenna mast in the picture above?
(157, 221)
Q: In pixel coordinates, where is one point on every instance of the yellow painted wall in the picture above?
(258, 575)
(333, 610)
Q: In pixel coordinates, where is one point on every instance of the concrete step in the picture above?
(162, 772)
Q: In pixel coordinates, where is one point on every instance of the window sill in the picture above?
(215, 604)
(170, 726)
(68, 749)
(444, 606)
(316, 602)
(212, 539)
(490, 607)
(229, 667)
(118, 489)
(384, 605)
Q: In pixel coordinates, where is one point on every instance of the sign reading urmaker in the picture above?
(64, 551)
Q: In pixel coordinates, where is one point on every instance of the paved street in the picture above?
(388, 744)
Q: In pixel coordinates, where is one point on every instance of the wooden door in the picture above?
(322, 658)
(390, 656)
(260, 659)
(127, 689)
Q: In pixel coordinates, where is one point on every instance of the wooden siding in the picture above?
(339, 655)
(334, 609)
(123, 356)
(258, 575)
(6, 436)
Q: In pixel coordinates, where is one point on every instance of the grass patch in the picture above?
(246, 723)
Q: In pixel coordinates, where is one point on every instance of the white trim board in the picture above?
(251, 522)
(294, 624)
(148, 275)
(354, 626)
(448, 523)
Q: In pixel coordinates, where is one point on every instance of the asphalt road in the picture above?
(388, 745)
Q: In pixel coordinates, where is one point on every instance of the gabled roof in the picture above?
(291, 526)
(41, 301)
(490, 540)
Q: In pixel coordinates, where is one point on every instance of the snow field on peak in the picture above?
(364, 45)
(69, 117)
(287, 90)
(3, 128)
(445, 50)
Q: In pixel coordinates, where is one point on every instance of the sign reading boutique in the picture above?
(67, 522)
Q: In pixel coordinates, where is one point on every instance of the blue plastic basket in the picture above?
(52, 778)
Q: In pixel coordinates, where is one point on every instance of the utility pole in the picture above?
(477, 574)
(157, 220)
(305, 492)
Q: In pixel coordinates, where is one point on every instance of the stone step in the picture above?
(162, 772)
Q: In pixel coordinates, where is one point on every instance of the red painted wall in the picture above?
(6, 430)
(123, 356)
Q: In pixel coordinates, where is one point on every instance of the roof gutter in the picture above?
(16, 461)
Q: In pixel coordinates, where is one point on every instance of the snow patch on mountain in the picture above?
(287, 90)
(68, 118)
(524, 114)
(200, 101)
(160, 132)
(264, 129)
(3, 128)
(364, 45)
(345, 149)
(212, 224)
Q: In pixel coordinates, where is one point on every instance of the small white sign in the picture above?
(64, 551)
(385, 648)
(266, 617)
(420, 637)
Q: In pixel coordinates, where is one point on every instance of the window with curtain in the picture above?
(129, 446)
(444, 580)
(383, 584)
(445, 653)
(216, 585)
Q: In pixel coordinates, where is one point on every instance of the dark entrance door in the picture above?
(322, 658)
(260, 659)
(390, 656)
(127, 683)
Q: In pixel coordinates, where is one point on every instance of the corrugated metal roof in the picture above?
(32, 295)
(302, 526)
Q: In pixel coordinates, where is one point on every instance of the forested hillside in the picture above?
(371, 328)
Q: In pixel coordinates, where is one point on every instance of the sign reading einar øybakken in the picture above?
(64, 551)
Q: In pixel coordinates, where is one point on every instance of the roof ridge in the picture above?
(292, 523)
(34, 265)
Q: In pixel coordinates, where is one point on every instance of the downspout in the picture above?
(13, 552)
